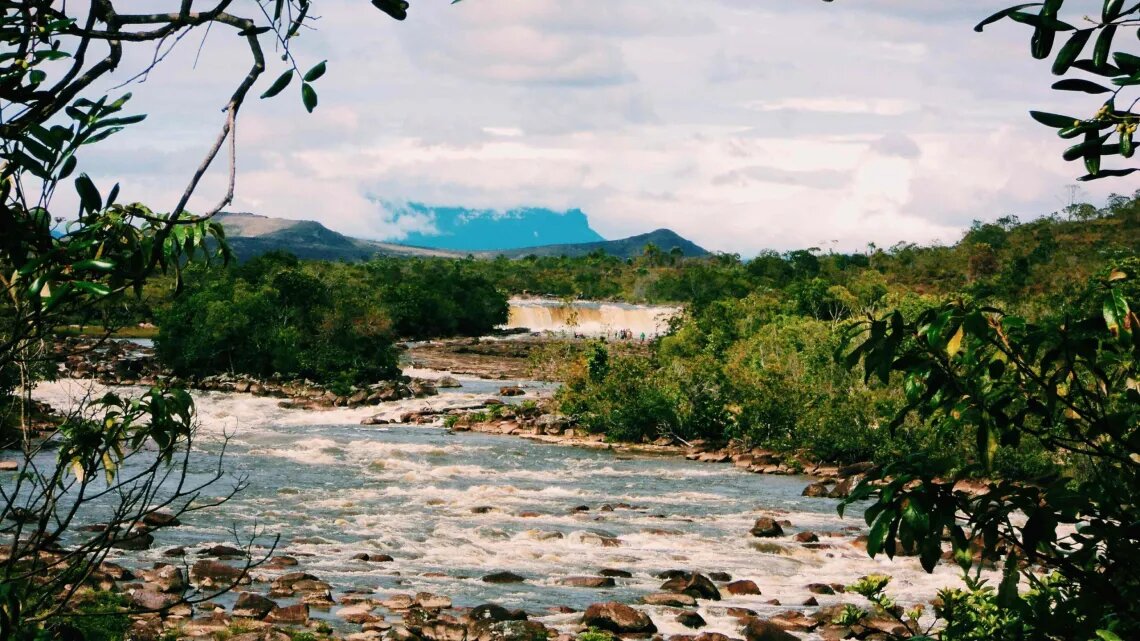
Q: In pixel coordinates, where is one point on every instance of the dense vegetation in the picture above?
(330, 322)
(753, 357)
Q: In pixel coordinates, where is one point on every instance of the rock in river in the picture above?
(619, 618)
(766, 528)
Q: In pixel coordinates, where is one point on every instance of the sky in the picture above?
(743, 125)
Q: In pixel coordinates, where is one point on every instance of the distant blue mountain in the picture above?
(461, 229)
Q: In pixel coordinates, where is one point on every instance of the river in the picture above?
(451, 508)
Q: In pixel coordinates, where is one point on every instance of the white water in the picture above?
(589, 318)
(332, 488)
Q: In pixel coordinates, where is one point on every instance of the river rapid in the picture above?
(451, 508)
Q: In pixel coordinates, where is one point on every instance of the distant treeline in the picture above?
(335, 323)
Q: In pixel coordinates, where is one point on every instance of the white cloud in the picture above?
(742, 125)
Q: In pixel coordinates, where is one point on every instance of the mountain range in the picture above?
(251, 234)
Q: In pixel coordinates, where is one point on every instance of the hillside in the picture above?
(663, 239)
(251, 235)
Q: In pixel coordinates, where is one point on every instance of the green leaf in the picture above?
(1111, 10)
(1056, 121)
(89, 197)
(1103, 46)
(955, 343)
(1080, 84)
(317, 71)
(1108, 173)
(397, 9)
(1127, 62)
(878, 534)
(278, 85)
(1115, 312)
(309, 97)
(1070, 51)
(1002, 14)
(1106, 635)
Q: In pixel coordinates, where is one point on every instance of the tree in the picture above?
(1070, 384)
(117, 456)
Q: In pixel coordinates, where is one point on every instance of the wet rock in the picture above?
(398, 602)
(698, 586)
(253, 606)
(810, 602)
(588, 582)
(503, 577)
(133, 541)
(222, 551)
(494, 613)
(742, 587)
(279, 562)
(115, 571)
(673, 574)
(711, 636)
(447, 382)
(511, 390)
(291, 614)
(359, 613)
(176, 551)
(856, 468)
(816, 490)
(669, 599)
(152, 600)
(429, 601)
(165, 578)
(482, 509)
(720, 576)
(690, 619)
(835, 632)
(618, 618)
(820, 588)
(160, 519)
(619, 574)
(373, 558)
(740, 613)
(766, 528)
(806, 537)
(210, 573)
(760, 630)
(510, 631)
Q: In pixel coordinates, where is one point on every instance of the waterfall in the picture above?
(589, 318)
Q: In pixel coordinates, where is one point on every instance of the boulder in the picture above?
(511, 390)
(133, 541)
(291, 614)
(210, 573)
(618, 618)
(816, 490)
(222, 551)
(720, 576)
(446, 382)
(742, 587)
(166, 578)
(253, 606)
(766, 528)
(152, 600)
(761, 630)
(494, 613)
(697, 586)
(160, 519)
(503, 577)
(588, 582)
(429, 601)
(618, 574)
(510, 631)
(690, 619)
(669, 599)
(820, 588)
(359, 613)
(806, 537)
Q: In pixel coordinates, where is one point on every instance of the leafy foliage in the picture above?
(1066, 382)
